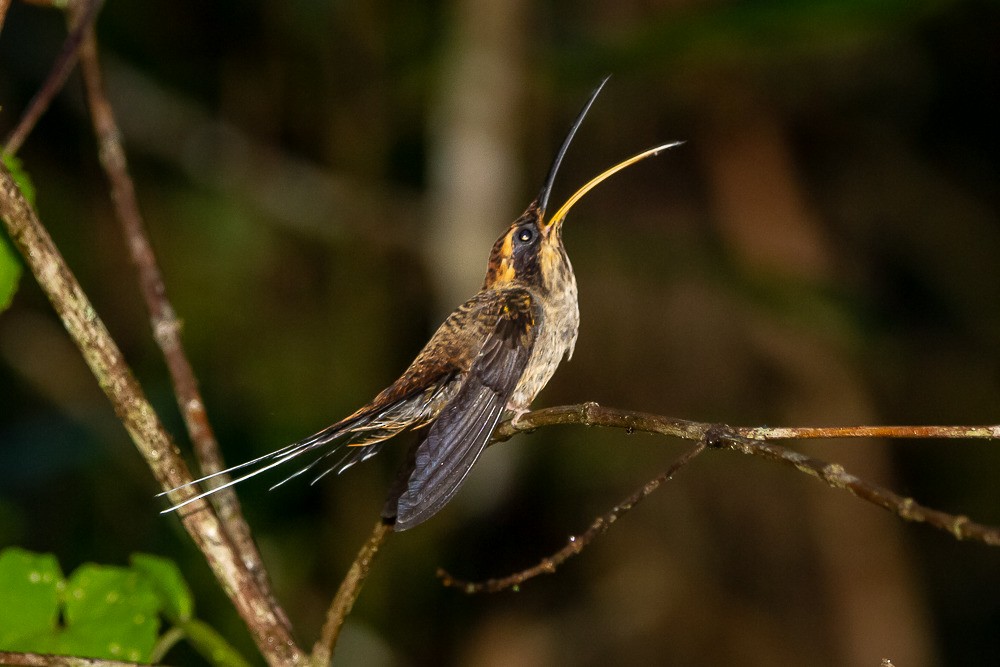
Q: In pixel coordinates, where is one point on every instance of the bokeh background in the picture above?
(322, 182)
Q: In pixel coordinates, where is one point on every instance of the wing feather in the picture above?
(460, 434)
(366, 429)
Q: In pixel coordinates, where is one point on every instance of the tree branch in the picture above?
(895, 432)
(57, 77)
(576, 543)
(347, 594)
(592, 414)
(140, 420)
(165, 325)
(45, 660)
(753, 441)
(835, 476)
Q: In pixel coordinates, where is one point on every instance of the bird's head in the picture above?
(531, 252)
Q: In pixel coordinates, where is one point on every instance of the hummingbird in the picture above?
(489, 358)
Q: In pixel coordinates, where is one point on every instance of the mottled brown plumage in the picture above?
(492, 355)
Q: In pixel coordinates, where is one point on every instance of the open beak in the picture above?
(556, 220)
(543, 195)
(542, 202)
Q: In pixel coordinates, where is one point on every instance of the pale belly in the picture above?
(556, 338)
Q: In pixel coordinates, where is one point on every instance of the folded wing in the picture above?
(458, 436)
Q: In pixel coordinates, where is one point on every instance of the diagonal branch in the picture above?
(166, 327)
(56, 79)
(576, 543)
(347, 594)
(835, 476)
(751, 441)
(754, 441)
(140, 420)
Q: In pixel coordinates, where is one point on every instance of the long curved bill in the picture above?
(560, 215)
(550, 179)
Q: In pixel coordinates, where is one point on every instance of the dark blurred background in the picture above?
(322, 182)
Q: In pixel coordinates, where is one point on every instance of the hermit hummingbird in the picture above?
(491, 356)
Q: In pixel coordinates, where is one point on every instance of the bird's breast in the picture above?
(555, 339)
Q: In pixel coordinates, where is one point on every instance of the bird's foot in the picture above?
(515, 421)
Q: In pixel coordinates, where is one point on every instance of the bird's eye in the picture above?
(525, 235)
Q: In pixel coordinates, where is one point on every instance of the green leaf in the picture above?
(168, 584)
(102, 611)
(21, 177)
(10, 273)
(10, 267)
(30, 591)
(111, 612)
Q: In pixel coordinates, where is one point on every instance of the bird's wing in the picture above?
(458, 436)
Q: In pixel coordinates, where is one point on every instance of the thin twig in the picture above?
(754, 442)
(45, 660)
(57, 77)
(576, 543)
(140, 420)
(897, 432)
(165, 324)
(586, 413)
(164, 321)
(347, 594)
(835, 476)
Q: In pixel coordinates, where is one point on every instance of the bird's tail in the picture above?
(355, 439)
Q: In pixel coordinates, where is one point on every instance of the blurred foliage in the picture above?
(285, 158)
(10, 267)
(100, 611)
(10, 273)
(21, 177)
